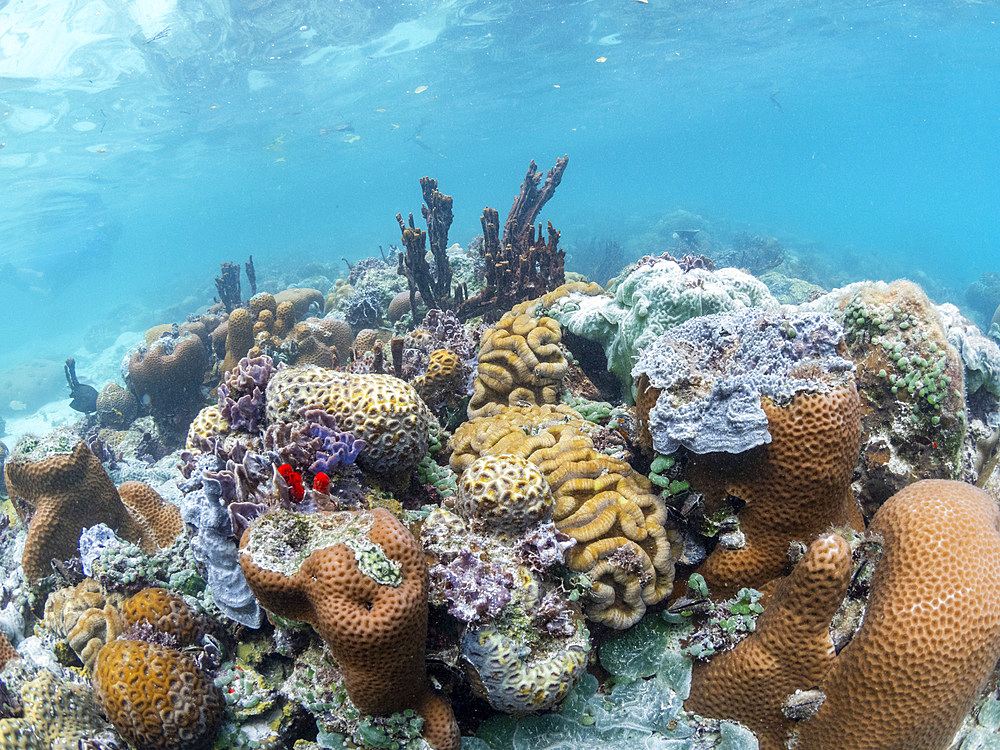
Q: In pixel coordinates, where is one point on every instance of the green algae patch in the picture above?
(281, 542)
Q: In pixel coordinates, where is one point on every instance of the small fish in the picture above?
(419, 89)
(601, 59)
(276, 144)
(353, 138)
(18, 405)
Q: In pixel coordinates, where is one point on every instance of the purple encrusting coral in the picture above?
(241, 396)
(544, 546)
(314, 444)
(473, 589)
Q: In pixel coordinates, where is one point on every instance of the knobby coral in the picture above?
(360, 579)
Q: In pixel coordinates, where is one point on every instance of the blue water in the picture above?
(147, 141)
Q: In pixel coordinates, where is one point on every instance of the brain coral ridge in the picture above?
(70, 492)
(927, 645)
(385, 412)
(56, 715)
(520, 362)
(624, 545)
(360, 579)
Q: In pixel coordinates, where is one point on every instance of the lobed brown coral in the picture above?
(160, 521)
(623, 545)
(331, 332)
(157, 697)
(520, 363)
(239, 337)
(68, 492)
(795, 488)
(167, 376)
(359, 578)
(443, 378)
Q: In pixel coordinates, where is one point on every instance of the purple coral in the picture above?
(544, 546)
(241, 396)
(314, 444)
(474, 590)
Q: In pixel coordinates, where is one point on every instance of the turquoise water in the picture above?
(144, 143)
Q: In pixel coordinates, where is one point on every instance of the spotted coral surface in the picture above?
(931, 633)
(68, 492)
(505, 493)
(156, 697)
(382, 410)
(166, 611)
(360, 579)
(208, 423)
(56, 715)
(520, 362)
(160, 520)
(624, 543)
(443, 378)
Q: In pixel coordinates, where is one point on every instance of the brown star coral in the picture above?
(795, 487)
(68, 492)
(360, 579)
(620, 526)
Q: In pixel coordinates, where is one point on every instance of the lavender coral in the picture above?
(241, 396)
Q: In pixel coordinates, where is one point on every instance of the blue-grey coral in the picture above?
(713, 371)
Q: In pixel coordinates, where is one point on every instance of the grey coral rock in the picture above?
(713, 370)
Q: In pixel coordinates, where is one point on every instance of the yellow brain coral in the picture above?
(382, 410)
(443, 378)
(208, 423)
(56, 715)
(520, 362)
(166, 611)
(623, 542)
(504, 493)
(156, 697)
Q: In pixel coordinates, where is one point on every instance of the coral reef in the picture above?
(654, 295)
(64, 493)
(520, 362)
(434, 287)
(382, 410)
(911, 673)
(359, 578)
(241, 394)
(166, 612)
(85, 617)
(56, 714)
(624, 544)
(157, 697)
(167, 375)
(116, 407)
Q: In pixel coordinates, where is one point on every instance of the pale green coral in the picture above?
(653, 297)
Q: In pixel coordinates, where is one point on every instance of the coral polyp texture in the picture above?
(360, 579)
(160, 521)
(520, 362)
(771, 416)
(56, 714)
(66, 493)
(382, 410)
(931, 632)
(85, 618)
(166, 612)
(624, 544)
(649, 298)
(507, 493)
(925, 649)
(167, 376)
(157, 697)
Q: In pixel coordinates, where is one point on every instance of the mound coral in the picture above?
(382, 410)
(159, 520)
(85, 618)
(116, 407)
(656, 294)
(165, 611)
(442, 381)
(929, 639)
(520, 362)
(239, 337)
(157, 697)
(167, 376)
(360, 579)
(330, 332)
(506, 493)
(66, 493)
(623, 543)
(56, 714)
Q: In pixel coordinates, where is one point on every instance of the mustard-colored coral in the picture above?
(505, 493)
(208, 423)
(620, 525)
(382, 410)
(56, 715)
(167, 612)
(160, 520)
(443, 378)
(360, 579)
(156, 697)
(85, 618)
(239, 338)
(520, 363)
